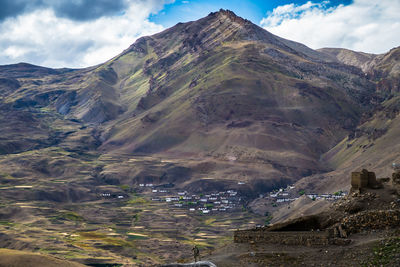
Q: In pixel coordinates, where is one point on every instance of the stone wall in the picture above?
(367, 220)
(303, 238)
(396, 177)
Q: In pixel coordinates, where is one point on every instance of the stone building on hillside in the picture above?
(364, 179)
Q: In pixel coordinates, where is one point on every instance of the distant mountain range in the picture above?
(203, 105)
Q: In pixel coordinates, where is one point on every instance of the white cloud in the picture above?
(365, 25)
(42, 38)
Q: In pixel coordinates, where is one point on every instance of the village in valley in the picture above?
(222, 201)
(204, 203)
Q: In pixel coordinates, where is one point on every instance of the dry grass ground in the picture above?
(15, 258)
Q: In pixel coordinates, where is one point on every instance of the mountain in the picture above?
(224, 98)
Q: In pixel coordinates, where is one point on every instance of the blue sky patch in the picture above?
(255, 11)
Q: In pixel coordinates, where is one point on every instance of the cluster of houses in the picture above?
(221, 201)
(109, 195)
(330, 197)
(202, 203)
(146, 185)
(288, 195)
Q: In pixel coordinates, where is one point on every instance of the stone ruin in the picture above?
(396, 178)
(364, 179)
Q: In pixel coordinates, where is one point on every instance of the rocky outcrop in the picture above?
(367, 220)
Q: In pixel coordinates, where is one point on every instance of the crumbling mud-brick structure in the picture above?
(396, 178)
(364, 179)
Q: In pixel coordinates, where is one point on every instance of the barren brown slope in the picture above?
(15, 258)
(358, 59)
(374, 144)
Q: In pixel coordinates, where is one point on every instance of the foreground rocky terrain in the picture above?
(361, 229)
(203, 107)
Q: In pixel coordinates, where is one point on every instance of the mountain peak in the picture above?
(217, 28)
(230, 15)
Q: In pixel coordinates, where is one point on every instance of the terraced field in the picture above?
(132, 229)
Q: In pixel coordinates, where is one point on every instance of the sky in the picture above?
(82, 33)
